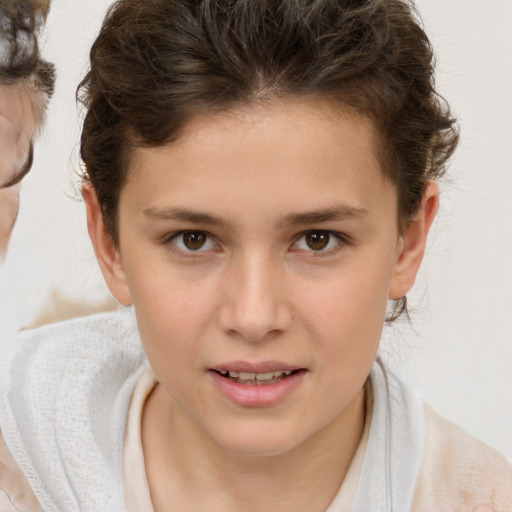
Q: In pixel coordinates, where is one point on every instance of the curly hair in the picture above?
(20, 59)
(157, 62)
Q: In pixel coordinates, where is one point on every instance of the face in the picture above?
(17, 128)
(259, 251)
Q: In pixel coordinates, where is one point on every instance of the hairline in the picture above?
(343, 108)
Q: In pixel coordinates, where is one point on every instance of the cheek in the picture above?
(9, 204)
(347, 311)
(173, 312)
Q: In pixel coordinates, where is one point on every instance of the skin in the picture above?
(256, 291)
(18, 125)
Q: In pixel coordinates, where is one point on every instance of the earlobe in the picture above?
(107, 252)
(413, 243)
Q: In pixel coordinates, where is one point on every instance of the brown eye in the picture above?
(317, 240)
(194, 240)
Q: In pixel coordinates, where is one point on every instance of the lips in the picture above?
(257, 385)
(256, 378)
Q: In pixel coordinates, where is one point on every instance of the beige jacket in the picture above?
(458, 474)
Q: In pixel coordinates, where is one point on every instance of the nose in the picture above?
(255, 304)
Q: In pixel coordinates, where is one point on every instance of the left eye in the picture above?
(318, 241)
(193, 241)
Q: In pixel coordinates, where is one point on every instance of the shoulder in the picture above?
(102, 338)
(65, 390)
(460, 473)
(15, 491)
(119, 323)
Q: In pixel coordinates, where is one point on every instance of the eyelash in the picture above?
(339, 246)
(341, 242)
(169, 240)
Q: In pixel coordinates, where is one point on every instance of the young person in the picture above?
(259, 182)
(26, 85)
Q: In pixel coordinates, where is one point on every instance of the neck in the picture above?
(198, 474)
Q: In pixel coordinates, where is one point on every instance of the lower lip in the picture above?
(254, 395)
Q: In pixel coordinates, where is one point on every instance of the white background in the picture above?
(458, 349)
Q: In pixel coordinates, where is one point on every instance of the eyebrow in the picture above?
(183, 215)
(333, 213)
(24, 169)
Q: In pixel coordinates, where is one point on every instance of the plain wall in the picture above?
(458, 348)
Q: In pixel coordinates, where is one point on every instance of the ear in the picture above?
(107, 252)
(413, 242)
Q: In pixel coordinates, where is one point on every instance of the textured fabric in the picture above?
(460, 473)
(136, 488)
(393, 454)
(65, 391)
(64, 396)
(343, 500)
(15, 491)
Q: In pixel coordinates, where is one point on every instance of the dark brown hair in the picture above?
(157, 62)
(21, 62)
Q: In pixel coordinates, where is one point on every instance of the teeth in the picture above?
(256, 376)
(265, 376)
(246, 376)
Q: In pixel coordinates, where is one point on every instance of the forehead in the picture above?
(293, 156)
(274, 126)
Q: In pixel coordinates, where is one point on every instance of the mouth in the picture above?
(262, 384)
(257, 379)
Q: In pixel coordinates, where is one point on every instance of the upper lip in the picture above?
(260, 367)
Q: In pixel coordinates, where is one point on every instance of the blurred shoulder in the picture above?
(460, 473)
(15, 492)
(80, 336)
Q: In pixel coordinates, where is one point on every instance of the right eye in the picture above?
(193, 241)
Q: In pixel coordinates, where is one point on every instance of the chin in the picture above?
(258, 441)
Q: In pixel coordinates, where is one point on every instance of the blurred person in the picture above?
(26, 85)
